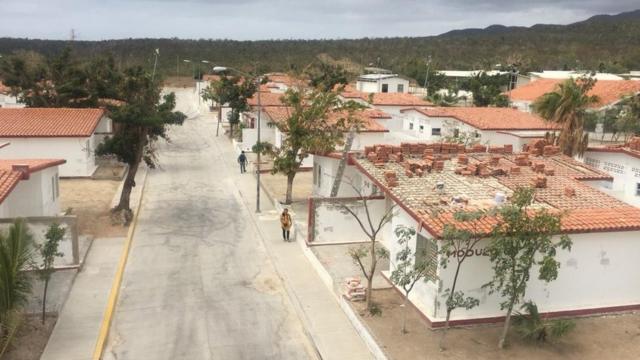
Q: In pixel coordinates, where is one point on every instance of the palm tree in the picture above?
(16, 250)
(567, 106)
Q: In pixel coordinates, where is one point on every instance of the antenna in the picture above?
(72, 35)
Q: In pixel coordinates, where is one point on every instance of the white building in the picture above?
(484, 125)
(604, 230)
(572, 74)
(64, 133)
(623, 164)
(6, 99)
(382, 83)
(29, 188)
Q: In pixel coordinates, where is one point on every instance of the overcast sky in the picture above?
(282, 19)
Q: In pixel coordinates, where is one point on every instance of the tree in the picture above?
(141, 121)
(410, 268)
(523, 237)
(48, 253)
(371, 226)
(533, 327)
(234, 91)
(325, 77)
(459, 241)
(16, 253)
(315, 122)
(567, 106)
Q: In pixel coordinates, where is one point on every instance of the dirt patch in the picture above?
(31, 338)
(180, 81)
(277, 185)
(90, 200)
(605, 337)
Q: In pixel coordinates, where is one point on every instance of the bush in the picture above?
(533, 327)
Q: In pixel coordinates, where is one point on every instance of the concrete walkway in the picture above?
(327, 325)
(74, 336)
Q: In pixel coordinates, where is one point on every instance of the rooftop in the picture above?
(631, 148)
(33, 165)
(49, 122)
(266, 99)
(8, 181)
(607, 91)
(374, 77)
(488, 118)
(386, 99)
(367, 118)
(472, 177)
(566, 74)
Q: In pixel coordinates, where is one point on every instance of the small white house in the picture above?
(29, 188)
(604, 230)
(485, 125)
(382, 83)
(623, 164)
(6, 99)
(64, 133)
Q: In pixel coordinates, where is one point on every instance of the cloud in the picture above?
(267, 19)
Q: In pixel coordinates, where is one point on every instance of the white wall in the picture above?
(333, 225)
(376, 86)
(8, 101)
(595, 274)
(325, 170)
(624, 169)
(37, 196)
(78, 152)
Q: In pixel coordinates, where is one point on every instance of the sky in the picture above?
(282, 19)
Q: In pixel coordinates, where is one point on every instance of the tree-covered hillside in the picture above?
(608, 43)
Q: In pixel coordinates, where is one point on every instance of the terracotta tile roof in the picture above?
(280, 78)
(210, 77)
(367, 118)
(607, 91)
(49, 122)
(410, 173)
(488, 118)
(384, 99)
(631, 148)
(33, 164)
(266, 99)
(8, 181)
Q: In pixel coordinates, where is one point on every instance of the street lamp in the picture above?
(193, 70)
(219, 69)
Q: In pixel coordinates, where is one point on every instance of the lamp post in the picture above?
(257, 80)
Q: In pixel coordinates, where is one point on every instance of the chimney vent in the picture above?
(22, 168)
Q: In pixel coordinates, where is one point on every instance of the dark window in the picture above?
(421, 128)
(410, 126)
(435, 131)
(400, 88)
(456, 133)
(638, 189)
(427, 250)
(385, 88)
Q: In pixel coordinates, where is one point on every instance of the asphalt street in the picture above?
(199, 283)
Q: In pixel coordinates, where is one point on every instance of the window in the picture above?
(88, 148)
(435, 131)
(53, 188)
(57, 185)
(427, 250)
(477, 134)
(385, 88)
(319, 176)
(611, 167)
(638, 189)
(421, 128)
(456, 133)
(410, 126)
(400, 88)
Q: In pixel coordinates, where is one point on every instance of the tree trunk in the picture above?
(372, 272)
(289, 196)
(368, 294)
(129, 183)
(445, 330)
(219, 118)
(44, 300)
(404, 312)
(505, 330)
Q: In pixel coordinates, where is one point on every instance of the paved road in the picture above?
(199, 283)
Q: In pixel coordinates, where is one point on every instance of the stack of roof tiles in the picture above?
(427, 181)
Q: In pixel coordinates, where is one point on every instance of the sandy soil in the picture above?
(606, 337)
(277, 185)
(31, 338)
(90, 200)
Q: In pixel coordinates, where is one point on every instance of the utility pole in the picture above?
(258, 140)
(155, 64)
(426, 77)
(177, 65)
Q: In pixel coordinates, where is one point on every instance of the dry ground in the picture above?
(90, 200)
(31, 338)
(605, 337)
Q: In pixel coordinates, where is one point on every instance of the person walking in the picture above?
(242, 160)
(285, 223)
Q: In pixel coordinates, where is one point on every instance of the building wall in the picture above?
(325, 170)
(335, 225)
(594, 274)
(78, 152)
(37, 196)
(624, 169)
(104, 129)
(376, 86)
(497, 139)
(8, 101)
(390, 109)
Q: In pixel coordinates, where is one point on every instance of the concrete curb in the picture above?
(117, 280)
(360, 328)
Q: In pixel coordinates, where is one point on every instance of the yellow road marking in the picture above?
(117, 281)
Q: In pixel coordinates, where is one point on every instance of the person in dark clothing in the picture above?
(242, 160)
(285, 223)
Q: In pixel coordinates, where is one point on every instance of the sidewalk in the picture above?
(329, 328)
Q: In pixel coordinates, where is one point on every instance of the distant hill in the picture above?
(608, 42)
